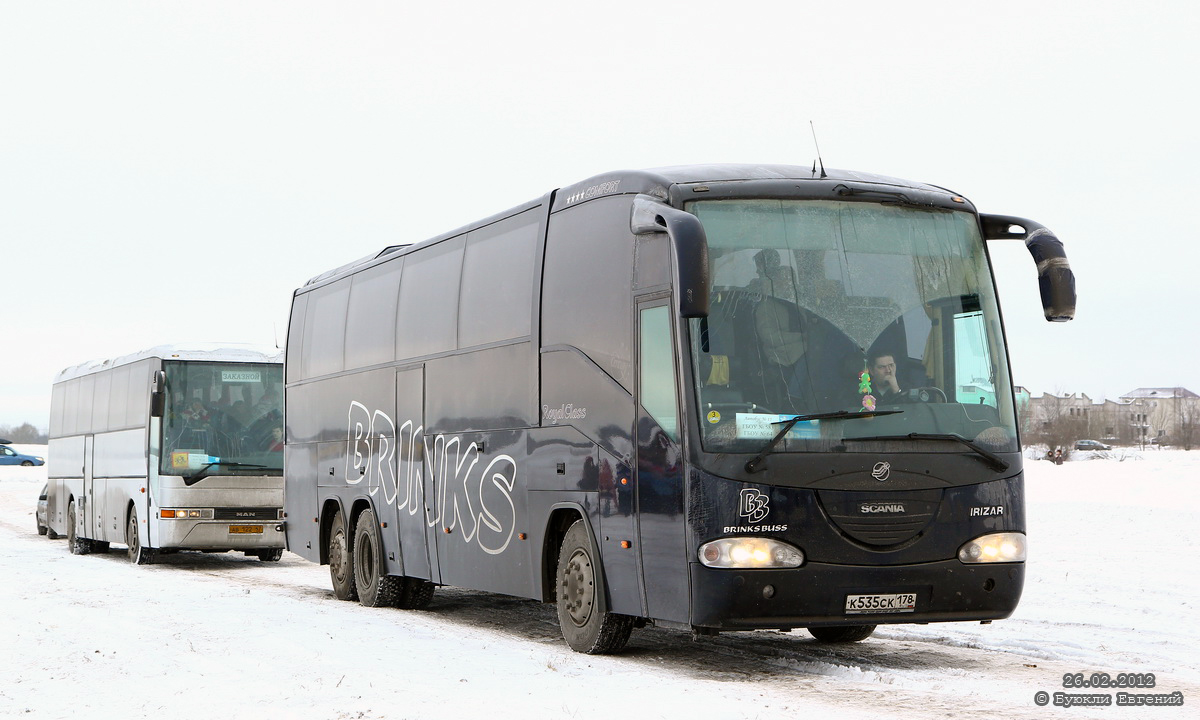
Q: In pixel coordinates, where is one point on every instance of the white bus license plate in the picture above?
(245, 529)
(896, 603)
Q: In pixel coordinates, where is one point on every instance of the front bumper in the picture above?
(215, 535)
(815, 594)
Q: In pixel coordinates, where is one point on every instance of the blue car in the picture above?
(8, 456)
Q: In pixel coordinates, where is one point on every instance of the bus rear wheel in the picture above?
(76, 544)
(842, 633)
(416, 595)
(586, 624)
(341, 564)
(139, 554)
(375, 589)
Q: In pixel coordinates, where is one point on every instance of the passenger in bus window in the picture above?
(196, 413)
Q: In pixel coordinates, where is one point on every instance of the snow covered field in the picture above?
(1112, 587)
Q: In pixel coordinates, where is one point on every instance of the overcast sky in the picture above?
(173, 171)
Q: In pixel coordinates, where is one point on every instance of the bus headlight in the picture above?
(186, 513)
(997, 547)
(750, 553)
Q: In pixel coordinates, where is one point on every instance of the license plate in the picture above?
(870, 604)
(245, 529)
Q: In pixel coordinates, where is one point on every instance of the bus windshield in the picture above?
(822, 306)
(223, 418)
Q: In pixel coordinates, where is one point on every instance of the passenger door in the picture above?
(92, 520)
(660, 506)
(417, 540)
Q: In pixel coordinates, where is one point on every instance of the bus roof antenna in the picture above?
(818, 147)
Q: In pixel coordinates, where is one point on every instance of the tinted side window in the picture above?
(99, 419)
(371, 319)
(118, 397)
(83, 409)
(137, 400)
(587, 283)
(325, 329)
(70, 419)
(497, 281)
(58, 399)
(295, 339)
(658, 369)
(427, 321)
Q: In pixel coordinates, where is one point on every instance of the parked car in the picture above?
(8, 456)
(43, 524)
(1091, 445)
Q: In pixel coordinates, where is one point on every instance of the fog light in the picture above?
(750, 553)
(997, 547)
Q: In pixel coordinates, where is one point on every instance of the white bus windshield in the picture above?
(223, 418)
(821, 307)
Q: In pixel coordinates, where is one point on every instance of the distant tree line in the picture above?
(25, 434)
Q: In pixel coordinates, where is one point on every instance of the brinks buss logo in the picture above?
(753, 505)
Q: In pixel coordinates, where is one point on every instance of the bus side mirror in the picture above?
(1056, 282)
(158, 394)
(690, 244)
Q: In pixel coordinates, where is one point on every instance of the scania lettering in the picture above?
(179, 447)
(652, 398)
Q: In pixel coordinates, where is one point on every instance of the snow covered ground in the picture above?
(1112, 587)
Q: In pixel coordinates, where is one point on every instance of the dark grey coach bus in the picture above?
(710, 398)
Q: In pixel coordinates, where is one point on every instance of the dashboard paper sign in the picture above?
(762, 426)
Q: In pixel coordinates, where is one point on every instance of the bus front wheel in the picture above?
(139, 554)
(842, 633)
(586, 624)
(341, 564)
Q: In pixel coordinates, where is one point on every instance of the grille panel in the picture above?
(881, 519)
(261, 514)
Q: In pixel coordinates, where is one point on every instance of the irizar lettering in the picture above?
(986, 510)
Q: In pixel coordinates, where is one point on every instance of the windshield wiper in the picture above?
(990, 458)
(202, 473)
(753, 465)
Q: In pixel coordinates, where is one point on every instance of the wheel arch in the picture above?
(328, 510)
(562, 516)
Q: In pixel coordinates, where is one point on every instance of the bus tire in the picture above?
(138, 553)
(375, 589)
(269, 555)
(416, 594)
(76, 544)
(586, 624)
(341, 562)
(841, 633)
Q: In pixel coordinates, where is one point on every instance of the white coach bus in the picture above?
(179, 447)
